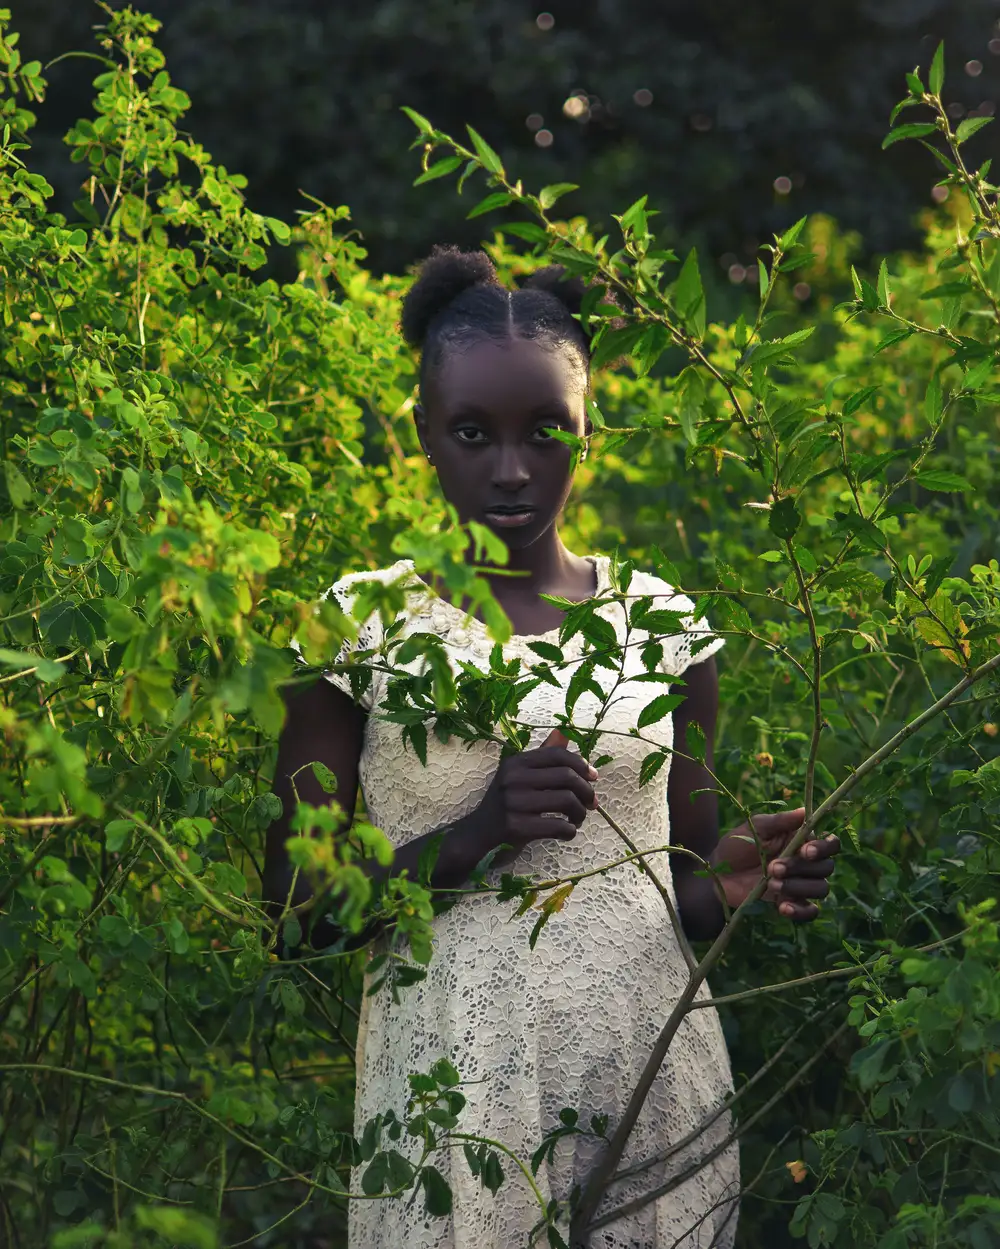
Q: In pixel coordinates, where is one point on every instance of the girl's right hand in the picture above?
(539, 793)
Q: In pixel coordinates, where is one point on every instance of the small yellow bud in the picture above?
(797, 1170)
(765, 760)
(990, 729)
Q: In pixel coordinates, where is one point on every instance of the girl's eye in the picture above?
(469, 434)
(544, 433)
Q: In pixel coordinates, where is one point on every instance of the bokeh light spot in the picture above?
(973, 68)
(577, 107)
(802, 290)
(544, 138)
(534, 121)
(545, 21)
(737, 273)
(783, 185)
(939, 194)
(643, 97)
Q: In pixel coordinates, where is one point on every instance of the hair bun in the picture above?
(443, 276)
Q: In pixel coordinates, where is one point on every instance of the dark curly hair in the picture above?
(458, 298)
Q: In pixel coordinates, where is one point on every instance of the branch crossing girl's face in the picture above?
(486, 424)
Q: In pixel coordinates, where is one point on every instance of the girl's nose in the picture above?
(509, 469)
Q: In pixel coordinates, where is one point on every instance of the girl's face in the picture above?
(486, 424)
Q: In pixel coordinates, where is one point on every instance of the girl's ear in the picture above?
(420, 422)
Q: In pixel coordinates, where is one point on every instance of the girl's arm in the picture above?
(795, 885)
(694, 822)
(324, 725)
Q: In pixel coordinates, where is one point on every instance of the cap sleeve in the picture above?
(694, 641)
(369, 636)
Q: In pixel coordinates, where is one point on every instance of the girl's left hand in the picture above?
(792, 882)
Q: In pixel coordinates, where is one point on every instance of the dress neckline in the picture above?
(600, 563)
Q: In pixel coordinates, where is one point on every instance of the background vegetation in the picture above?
(305, 96)
(192, 451)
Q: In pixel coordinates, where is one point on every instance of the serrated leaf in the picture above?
(655, 710)
(891, 339)
(689, 296)
(499, 199)
(940, 479)
(913, 130)
(440, 169)
(859, 399)
(486, 154)
(970, 126)
(791, 235)
(526, 230)
(784, 518)
(882, 286)
(421, 122)
(935, 79)
(548, 195)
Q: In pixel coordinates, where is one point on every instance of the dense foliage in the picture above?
(191, 454)
(305, 95)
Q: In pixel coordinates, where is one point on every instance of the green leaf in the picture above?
(791, 235)
(935, 79)
(940, 479)
(492, 1174)
(281, 231)
(659, 707)
(970, 126)
(293, 1003)
(440, 169)
(914, 130)
(882, 285)
(892, 338)
(326, 778)
(689, 296)
(650, 766)
(421, 122)
(45, 669)
(437, 1193)
(486, 154)
(784, 519)
(859, 399)
(774, 348)
(526, 230)
(373, 1181)
(548, 195)
(18, 488)
(116, 834)
(499, 199)
(692, 401)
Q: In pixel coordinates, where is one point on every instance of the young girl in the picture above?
(571, 1022)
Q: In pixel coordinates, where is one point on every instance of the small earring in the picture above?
(583, 453)
(429, 460)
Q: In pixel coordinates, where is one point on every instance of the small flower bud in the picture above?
(765, 760)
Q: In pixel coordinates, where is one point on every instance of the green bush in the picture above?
(191, 454)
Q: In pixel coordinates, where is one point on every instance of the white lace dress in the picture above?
(568, 1024)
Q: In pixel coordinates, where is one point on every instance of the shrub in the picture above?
(191, 454)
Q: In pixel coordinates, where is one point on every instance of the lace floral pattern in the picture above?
(570, 1023)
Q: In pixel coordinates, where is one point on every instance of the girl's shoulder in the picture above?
(347, 586)
(648, 585)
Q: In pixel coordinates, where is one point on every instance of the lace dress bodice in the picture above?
(568, 1024)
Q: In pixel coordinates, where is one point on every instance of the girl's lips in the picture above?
(511, 520)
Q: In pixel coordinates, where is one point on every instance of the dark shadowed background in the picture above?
(735, 116)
